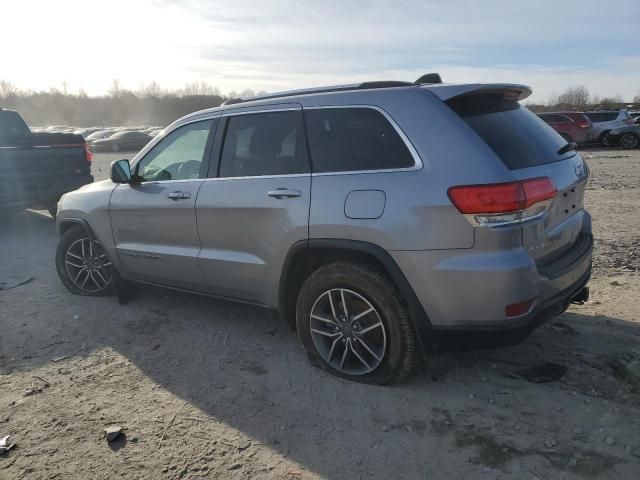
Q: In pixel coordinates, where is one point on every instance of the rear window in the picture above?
(602, 116)
(554, 118)
(518, 137)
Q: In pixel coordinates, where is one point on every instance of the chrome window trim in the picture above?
(418, 165)
(284, 175)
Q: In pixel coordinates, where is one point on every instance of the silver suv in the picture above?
(383, 220)
(606, 121)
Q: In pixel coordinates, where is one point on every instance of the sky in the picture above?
(286, 44)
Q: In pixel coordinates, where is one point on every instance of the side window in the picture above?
(352, 139)
(178, 156)
(270, 143)
(602, 116)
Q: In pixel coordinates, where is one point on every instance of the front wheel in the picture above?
(351, 323)
(605, 140)
(629, 141)
(83, 266)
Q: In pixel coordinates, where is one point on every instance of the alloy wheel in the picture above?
(629, 141)
(348, 332)
(88, 266)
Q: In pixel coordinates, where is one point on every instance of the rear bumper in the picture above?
(464, 293)
(41, 192)
(471, 337)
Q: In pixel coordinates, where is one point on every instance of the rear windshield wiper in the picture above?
(568, 148)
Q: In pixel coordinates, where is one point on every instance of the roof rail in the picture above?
(337, 88)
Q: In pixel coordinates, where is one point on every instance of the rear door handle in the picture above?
(284, 193)
(179, 195)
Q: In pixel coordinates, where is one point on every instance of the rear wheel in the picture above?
(82, 264)
(604, 139)
(629, 141)
(352, 324)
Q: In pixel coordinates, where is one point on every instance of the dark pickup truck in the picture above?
(36, 169)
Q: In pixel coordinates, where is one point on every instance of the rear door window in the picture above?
(354, 139)
(518, 137)
(258, 144)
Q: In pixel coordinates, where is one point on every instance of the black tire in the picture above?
(69, 238)
(400, 357)
(566, 137)
(604, 139)
(115, 148)
(629, 141)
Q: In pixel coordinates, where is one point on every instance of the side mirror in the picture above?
(121, 171)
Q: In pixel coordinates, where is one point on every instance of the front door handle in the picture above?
(280, 193)
(179, 195)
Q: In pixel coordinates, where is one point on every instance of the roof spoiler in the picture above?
(510, 90)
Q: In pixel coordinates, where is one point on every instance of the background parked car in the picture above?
(572, 126)
(605, 121)
(99, 135)
(125, 140)
(627, 137)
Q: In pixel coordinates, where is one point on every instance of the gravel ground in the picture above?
(208, 389)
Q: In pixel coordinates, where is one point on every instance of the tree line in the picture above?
(148, 105)
(151, 104)
(578, 98)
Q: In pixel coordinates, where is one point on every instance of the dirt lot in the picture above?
(208, 389)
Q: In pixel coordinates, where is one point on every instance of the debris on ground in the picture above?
(5, 286)
(113, 432)
(60, 358)
(5, 446)
(547, 372)
(626, 366)
(36, 388)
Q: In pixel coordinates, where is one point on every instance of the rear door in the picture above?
(154, 220)
(530, 148)
(255, 206)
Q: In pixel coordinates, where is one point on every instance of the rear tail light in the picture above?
(499, 204)
(584, 124)
(630, 121)
(88, 155)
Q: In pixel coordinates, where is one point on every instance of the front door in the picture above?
(153, 218)
(257, 206)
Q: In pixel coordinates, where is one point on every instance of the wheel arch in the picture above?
(65, 224)
(306, 256)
